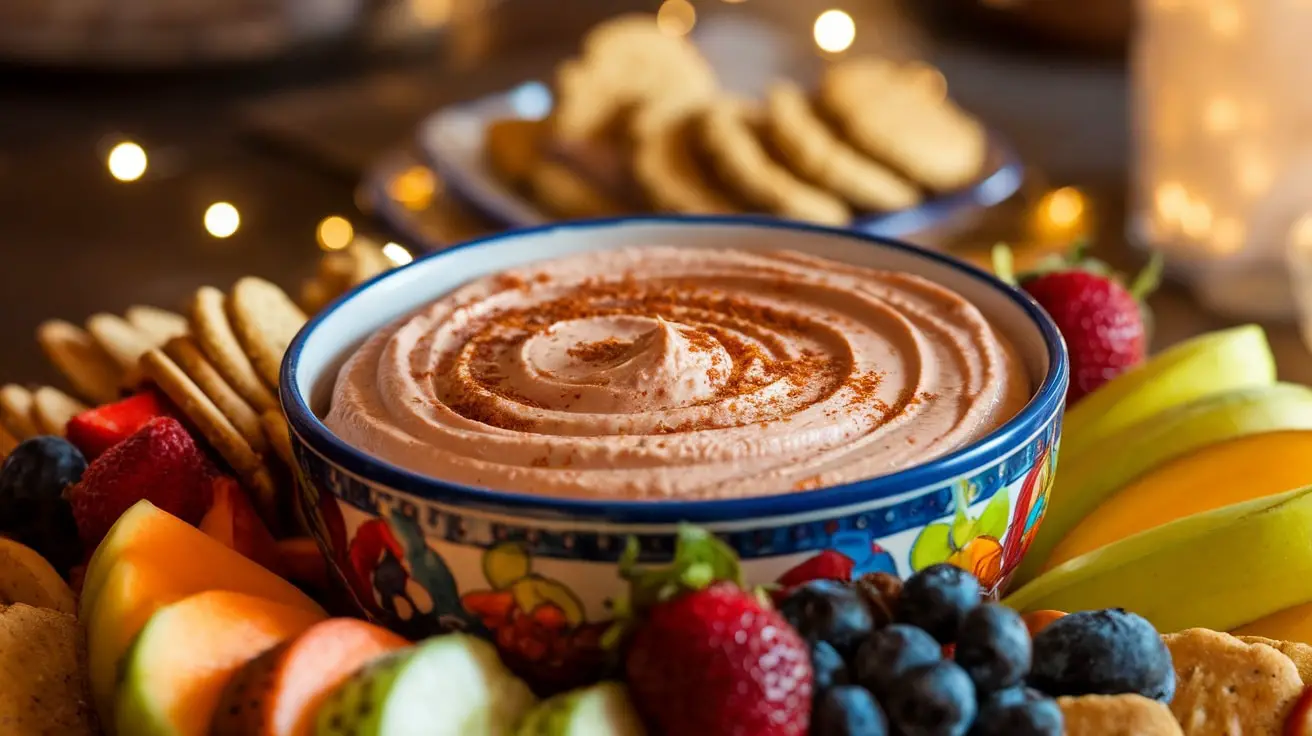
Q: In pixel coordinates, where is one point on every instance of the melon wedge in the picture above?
(185, 655)
(164, 561)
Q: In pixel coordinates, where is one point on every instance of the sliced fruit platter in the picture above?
(155, 578)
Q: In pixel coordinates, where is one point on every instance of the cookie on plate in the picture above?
(568, 195)
(513, 148)
(52, 408)
(811, 149)
(665, 165)
(16, 412)
(92, 373)
(1117, 715)
(730, 143)
(1222, 681)
(209, 323)
(889, 114)
(625, 62)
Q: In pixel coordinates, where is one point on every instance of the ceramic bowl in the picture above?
(424, 556)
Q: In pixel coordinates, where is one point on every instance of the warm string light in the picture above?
(334, 233)
(676, 17)
(834, 31)
(414, 188)
(222, 219)
(396, 253)
(127, 161)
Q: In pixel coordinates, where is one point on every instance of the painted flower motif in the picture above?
(973, 544)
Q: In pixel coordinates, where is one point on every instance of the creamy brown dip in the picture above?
(667, 373)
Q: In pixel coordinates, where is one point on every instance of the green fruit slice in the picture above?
(451, 685)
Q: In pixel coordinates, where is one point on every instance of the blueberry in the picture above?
(827, 666)
(830, 611)
(994, 647)
(937, 599)
(932, 700)
(32, 506)
(848, 710)
(1019, 711)
(1107, 652)
(890, 653)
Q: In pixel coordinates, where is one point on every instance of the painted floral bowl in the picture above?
(539, 574)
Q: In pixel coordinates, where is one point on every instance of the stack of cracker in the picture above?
(1225, 686)
(640, 124)
(218, 363)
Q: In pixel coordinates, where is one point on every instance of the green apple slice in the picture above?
(603, 709)
(450, 685)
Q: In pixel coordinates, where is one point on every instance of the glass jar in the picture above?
(1223, 133)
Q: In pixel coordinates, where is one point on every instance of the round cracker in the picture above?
(188, 356)
(742, 163)
(52, 408)
(89, 369)
(810, 148)
(16, 412)
(666, 167)
(280, 438)
(124, 343)
(213, 332)
(217, 431)
(265, 320)
(158, 325)
(42, 669)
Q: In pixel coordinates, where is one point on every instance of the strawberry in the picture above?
(708, 657)
(96, 430)
(1102, 320)
(1299, 720)
(160, 463)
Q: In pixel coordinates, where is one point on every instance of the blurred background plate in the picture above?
(451, 141)
(139, 35)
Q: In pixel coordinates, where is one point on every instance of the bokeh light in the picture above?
(834, 31)
(676, 17)
(127, 161)
(334, 233)
(414, 188)
(222, 219)
(396, 253)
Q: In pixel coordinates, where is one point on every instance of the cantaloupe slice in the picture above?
(187, 652)
(168, 562)
(145, 526)
(279, 693)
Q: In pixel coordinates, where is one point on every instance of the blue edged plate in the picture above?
(451, 142)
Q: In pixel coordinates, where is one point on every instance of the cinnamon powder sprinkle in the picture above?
(601, 351)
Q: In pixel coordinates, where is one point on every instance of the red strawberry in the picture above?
(828, 565)
(707, 656)
(1102, 320)
(159, 463)
(96, 430)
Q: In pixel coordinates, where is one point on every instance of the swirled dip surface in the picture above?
(665, 373)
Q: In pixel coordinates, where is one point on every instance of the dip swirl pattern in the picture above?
(654, 373)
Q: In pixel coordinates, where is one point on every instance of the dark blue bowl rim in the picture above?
(1041, 410)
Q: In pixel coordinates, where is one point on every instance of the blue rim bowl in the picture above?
(1038, 414)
